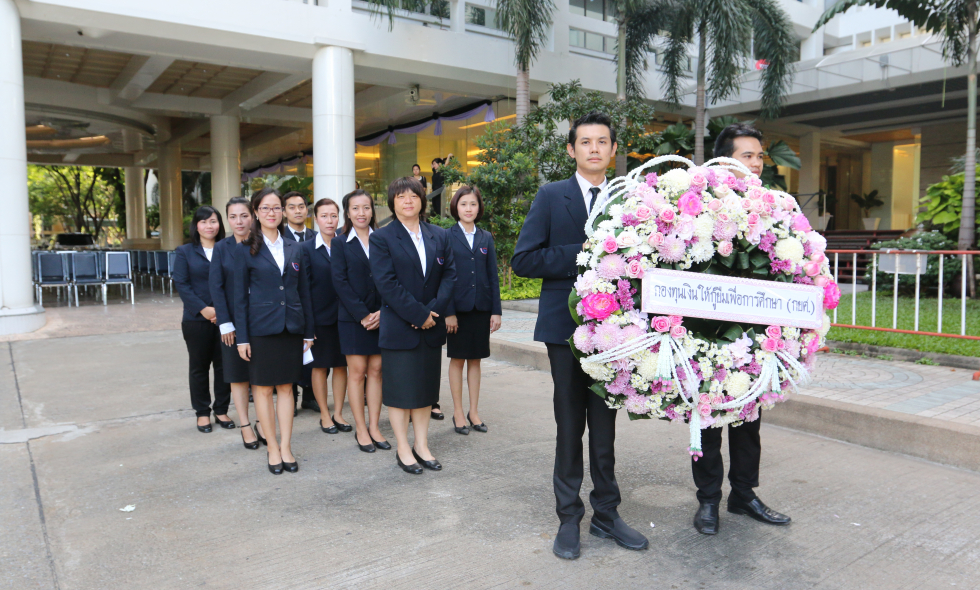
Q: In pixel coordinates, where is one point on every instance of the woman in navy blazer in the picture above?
(222, 283)
(414, 271)
(273, 321)
(192, 267)
(475, 310)
(326, 347)
(358, 317)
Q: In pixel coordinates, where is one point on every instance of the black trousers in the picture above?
(203, 341)
(575, 406)
(744, 450)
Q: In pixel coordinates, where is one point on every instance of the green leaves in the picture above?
(528, 22)
(573, 301)
(599, 389)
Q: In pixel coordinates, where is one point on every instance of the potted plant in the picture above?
(867, 202)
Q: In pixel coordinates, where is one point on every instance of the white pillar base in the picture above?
(22, 321)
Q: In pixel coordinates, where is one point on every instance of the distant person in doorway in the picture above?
(438, 181)
(192, 269)
(417, 175)
(295, 214)
(742, 142)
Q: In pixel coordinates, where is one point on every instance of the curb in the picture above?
(957, 445)
(905, 354)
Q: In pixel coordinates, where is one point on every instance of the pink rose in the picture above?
(634, 269)
(811, 269)
(747, 204)
(667, 215)
(714, 204)
(770, 345)
(753, 181)
(774, 332)
(723, 217)
(789, 203)
(813, 344)
(678, 331)
(831, 295)
(699, 180)
(656, 239)
(753, 219)
(817, 257)
(610, 245)
(643, 212)
(766, 210)
(704, 410)
(769, 198)
(704, 398)
(660, 323)
(599, 306)
(781, 344)
(821, 280)
(690, 203)
(801, 223)
(676, 320)
(725, 248)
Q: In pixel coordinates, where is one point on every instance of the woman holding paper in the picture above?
(273, 321)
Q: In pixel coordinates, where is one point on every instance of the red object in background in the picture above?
(976, 376)
(761, 64)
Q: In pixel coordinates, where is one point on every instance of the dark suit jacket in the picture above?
(222, 280)
(353, 280)
(320, 274)
(266, 303)
(191, 273)
(551, 238)
(477, 283)
(287, 234)
(408, 295)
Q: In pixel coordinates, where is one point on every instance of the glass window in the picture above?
(593, 42)
(577, 6)
(476, 15)
(576, 38)
(439, 8)
(594, 9)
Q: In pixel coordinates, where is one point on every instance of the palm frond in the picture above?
(678, 35)
(527, 22)
(774, 43)
(382, 8)
(642, 21)
(728, 31)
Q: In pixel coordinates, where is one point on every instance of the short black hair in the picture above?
(439, 161)
(406, 183)
(593, 118)
(463, 191)
(725, 144)
(292, 194)
(205, 212)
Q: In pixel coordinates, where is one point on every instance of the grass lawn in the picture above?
(928, 309)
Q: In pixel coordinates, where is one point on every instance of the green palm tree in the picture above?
(388, 8)
(725, 31)
(527, 22)
(956, 22)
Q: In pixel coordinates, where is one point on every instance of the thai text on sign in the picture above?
(732, 299)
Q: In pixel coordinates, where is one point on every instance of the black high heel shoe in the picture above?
(290, 467)
(383, 444)
(259, 435)
(365, 448)
(433, 464)
(227, 425)
(332, 429)
(437, 415)
(276, 469)
(481, 427)
(343, 427)
(460, 429)
(249, 445)
(414, 468)
(204, 429)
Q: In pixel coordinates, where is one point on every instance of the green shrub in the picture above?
(952, 265)
(521, 288)
(944, 205)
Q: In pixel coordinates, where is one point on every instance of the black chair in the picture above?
(151, 266)
(118, 271)
(163, 262)
(85, 271)
(52, 269)
(142, 264)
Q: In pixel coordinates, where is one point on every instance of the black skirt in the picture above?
(276, 360)
(326, 348)
(234, 366)
(354, 339)
(410, 378)
(472, 338)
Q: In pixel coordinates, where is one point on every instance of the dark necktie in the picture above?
(300, 236)
(595, 193)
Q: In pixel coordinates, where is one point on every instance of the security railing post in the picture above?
(963, 300)
(939, 297)
(895, 295)
(854, 289)
(837, 279)
(918, 271)
(874, 289)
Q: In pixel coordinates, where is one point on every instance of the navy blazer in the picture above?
(477, 282)
(552, 237)
(222, 280)
(353, 280)
(191, 272)
(287, 234)
(320, 275)
(267, 302)
(407, 294)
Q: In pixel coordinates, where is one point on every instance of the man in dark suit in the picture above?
(552, 236)
(744, 143)
(295, 230)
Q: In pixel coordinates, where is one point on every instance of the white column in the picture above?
(226, 163)
(171, 197)
(810, 172)
(333, 123)
(135, 204)
(18, 312)
(812, 46)
(457, 16)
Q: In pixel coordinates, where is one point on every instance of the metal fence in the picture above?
(898, 262)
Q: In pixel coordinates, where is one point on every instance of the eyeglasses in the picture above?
(267, 209)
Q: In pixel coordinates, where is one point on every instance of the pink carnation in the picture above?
(611, 266)
(770, 345)
(660, 323)
(690, 203)
(725, 248)
(610, 245)
(643, 212)
(599, 306)
(831, 295)
(774, 332)
(651, 179)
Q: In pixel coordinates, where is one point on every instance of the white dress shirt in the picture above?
(321, 242)
(366, 247)
(277, 251)
(299, 235)
(469, 234)
(207, 252)
(419, 244)
(586, 187)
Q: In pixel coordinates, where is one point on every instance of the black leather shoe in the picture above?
(249, 445)
(290, 467)
(381, 444)
(433, 464)
(619, 531)
(275, 469)
(343, 427)
(460, 429)
(204, 428)
(309, 402)
(567, 544)
(226, 425)
(757, 510)
(481, 427)
(706, 519)
(332, 429)
(259, 435)
(414, 468)
(365, 448)
(437, 415)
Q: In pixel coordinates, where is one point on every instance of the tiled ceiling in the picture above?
(301, 96)
(186, 78)
(91, 67)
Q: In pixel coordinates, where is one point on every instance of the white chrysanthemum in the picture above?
(615, 211)
(789, 249)
(607, 226)
(598, 371)
(639, 383)
(737, 383)
(583, 258)
(704, 226)
(674, 182)
(702, 251)
(825, 327)
(647, 368)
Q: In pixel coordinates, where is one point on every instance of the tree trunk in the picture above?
(621, 94)
(699, 109)
(968, 219)
(523, 94)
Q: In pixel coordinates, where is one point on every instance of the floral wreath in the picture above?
(702, 219)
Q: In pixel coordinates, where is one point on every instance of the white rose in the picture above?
(628, 239)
